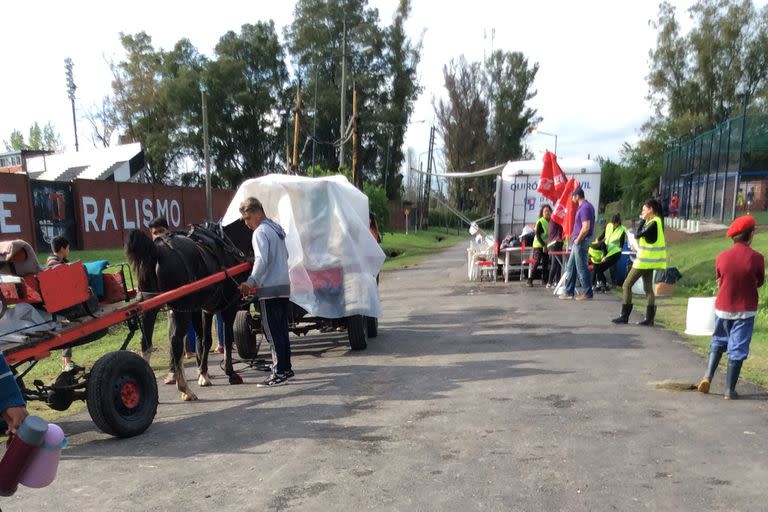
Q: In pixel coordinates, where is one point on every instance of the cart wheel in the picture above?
(372, 323)
(122, 394)
(357, 332)
(247, 341)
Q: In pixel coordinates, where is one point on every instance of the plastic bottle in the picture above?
(41, 472)
(21, 449)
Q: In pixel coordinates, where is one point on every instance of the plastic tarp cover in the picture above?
(333, 259)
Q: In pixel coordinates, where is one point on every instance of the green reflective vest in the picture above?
(596, 253)
(652, 256)
(612, 239)
(545, 224)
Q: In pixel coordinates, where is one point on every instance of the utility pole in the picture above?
(314, 125)
(343, 77)
(430, 163)
(71, 87)
(207, 158)
(296, 120)
(356, 174)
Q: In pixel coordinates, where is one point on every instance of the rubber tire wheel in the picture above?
(245, 338)
(357, 332)
(373, 326)
(104, 400)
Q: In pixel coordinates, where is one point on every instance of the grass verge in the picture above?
(404, 250)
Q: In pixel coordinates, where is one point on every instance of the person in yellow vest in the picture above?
(651, 255)
(613, 237)
(540, 235)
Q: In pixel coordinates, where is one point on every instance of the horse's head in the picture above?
(142, 254)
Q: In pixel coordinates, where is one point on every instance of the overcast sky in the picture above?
(592, 55)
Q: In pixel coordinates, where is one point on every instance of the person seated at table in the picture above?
(540, 254)
(555, 244)
(613, 238)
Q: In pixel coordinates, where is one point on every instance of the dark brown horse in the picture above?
(174, 260)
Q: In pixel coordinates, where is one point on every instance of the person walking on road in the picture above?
(273, 289)
(651, 255)
(740, 271)
(540, 254)
(583, 227)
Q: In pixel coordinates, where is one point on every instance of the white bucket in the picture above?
(700, 318)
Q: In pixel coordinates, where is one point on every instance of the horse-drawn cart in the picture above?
(120, 389)
(333, 258)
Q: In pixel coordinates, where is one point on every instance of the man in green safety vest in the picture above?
(540, 234)
(651, 255)
(613, 239)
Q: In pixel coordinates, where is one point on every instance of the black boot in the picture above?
(626, 309)
(712, 363)
(734, 369)
(650, 314)
(530, 282)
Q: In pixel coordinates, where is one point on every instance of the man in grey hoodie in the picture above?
(273, 288)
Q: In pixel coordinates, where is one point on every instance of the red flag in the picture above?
(558, 177)
(565, 210)
(546, 182)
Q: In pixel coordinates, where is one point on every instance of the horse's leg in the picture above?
(205, 322)
(177, 328)
(228, 315)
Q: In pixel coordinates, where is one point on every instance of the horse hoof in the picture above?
(235, 378)
(188, 397)
(203, 380)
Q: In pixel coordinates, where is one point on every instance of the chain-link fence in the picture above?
(720, 174)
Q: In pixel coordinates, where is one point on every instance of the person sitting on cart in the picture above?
(60, 255)
(270, 276)
(12, 405)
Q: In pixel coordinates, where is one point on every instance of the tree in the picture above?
(462, 122)
(510, 88)
(247, 85)
(39, 139)
(104, 120)
(380, 62)
(137, 86)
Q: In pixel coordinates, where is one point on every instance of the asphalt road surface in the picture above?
(474, 396)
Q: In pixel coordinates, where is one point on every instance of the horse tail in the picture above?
(142, 254)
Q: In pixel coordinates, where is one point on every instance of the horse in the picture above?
(173, 260)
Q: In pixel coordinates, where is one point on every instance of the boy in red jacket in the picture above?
(740, 272)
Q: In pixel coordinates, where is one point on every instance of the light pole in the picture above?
(71, 87)
(536, 130)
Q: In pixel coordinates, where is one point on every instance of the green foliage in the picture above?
(611, 176)
(39, 139)
(378, 204)
(381, 61)
(510, 86)
(696, 80)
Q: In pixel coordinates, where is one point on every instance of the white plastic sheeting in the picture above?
(333, 259)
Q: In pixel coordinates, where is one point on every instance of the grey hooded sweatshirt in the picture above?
(270, 261)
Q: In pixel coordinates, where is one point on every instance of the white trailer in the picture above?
(518, 203)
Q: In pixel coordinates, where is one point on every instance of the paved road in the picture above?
(475, 396)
